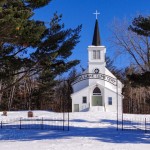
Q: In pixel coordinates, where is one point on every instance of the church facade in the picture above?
(96, 89)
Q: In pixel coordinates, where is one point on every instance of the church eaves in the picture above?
(96, 37)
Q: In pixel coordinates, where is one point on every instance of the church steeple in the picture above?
(96, 36)
(96, 52)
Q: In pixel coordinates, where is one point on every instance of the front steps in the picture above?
(97, 108)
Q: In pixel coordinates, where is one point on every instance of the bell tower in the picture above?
(96, 52)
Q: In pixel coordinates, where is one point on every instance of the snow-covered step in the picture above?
(97, 108)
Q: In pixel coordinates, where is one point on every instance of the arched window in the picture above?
(96, 91)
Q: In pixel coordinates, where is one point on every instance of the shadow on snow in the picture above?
(102, 133)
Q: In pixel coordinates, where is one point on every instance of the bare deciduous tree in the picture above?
(137, 47)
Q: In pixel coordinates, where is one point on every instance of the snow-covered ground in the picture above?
(88, 130)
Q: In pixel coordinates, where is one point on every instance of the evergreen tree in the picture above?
(17, 33)
(16, 27)
(52, 47)
(141, 25)
(52, 54)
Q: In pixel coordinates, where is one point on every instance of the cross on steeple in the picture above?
(96, 13)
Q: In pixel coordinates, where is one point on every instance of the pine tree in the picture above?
(141, 25)
(52, 55)
(52, 45)
(16, 27)
(17, 33)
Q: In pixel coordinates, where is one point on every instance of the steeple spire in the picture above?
(96, 36)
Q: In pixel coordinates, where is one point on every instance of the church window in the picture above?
(84, 99)
(109, 100)
(96, 54)
(96, 91)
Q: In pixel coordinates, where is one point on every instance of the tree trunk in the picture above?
(11, 98)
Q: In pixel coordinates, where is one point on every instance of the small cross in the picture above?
(96, 13)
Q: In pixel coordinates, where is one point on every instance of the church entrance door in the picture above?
(97, 101)
(97, 97)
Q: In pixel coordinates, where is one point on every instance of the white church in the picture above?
(97, 89)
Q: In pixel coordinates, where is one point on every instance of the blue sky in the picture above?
(76, 12)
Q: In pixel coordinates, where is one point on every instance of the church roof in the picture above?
(96, 36)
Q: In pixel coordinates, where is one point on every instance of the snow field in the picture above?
(88, 130)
